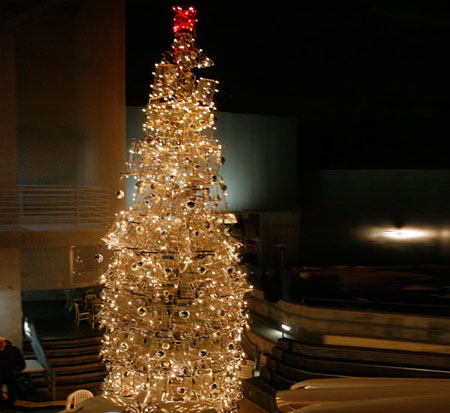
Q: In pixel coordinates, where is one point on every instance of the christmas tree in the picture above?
(173, 295)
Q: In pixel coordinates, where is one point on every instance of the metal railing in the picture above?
(251, 349)
(35, 207)
(433, 305)
(49, 373)
(399, 307)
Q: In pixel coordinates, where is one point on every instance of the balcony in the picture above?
(53, 208)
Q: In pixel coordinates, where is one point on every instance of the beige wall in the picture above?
(8, 132)
(10, 282)
(312, 324)
(60, 267)
(62, 120)
(71, 95)
(10, 296)
(45, 268)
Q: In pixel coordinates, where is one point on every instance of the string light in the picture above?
(173, 295)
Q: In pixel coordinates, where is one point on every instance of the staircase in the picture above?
(75, 362)
(293, 361)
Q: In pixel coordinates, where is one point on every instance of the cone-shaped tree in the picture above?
(173, 296)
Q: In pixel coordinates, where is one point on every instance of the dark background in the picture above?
(368, 81)
(369, 85)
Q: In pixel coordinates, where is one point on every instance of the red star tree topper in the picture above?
(184, 20)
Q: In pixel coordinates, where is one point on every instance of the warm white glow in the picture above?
(399, 234)
(285, 327)
(27, 328)
(405, 233)
(173, 295)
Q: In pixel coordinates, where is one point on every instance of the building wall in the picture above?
(357, 217)
(8, 121)
(10, 297)
(62, 67)
(71, 95)
(260, 170)
(61, 267)
(261, 160)
(45, 268)
(280, 239)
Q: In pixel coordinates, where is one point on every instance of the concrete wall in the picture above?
(62, 119)
(45, 268)
(280, 238)
(61, 267)
(312, 324)
(70, 66)
(10, 298)
(10, 278)
(356, 217)
(260, 170)
(261, 160)
(8, 116)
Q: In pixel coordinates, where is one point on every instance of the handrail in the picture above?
(251, 349)
(357, 303)
(50, 376)
(386, 306)
(35, 207)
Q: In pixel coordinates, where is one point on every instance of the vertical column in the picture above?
(8, 132)
(10, 279)
(8, 116)
(10, 296)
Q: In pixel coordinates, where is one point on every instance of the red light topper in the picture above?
(184, 20)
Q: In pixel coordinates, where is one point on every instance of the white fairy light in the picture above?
(173, 295)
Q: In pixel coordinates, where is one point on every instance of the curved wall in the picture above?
(70, 88)
(376, 217)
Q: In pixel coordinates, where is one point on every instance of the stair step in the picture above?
(364, 355)
(67, 360)
(89, 349)
(353, 368)
(62, 391)
(260, 393)
(72, 342)
(78, 367)
(297, 374)
(64, 343)
(283, 383)
(264, 374)
(85, 378)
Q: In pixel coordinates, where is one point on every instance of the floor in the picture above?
(246, 406)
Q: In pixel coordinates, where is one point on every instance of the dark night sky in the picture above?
(369, 81)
